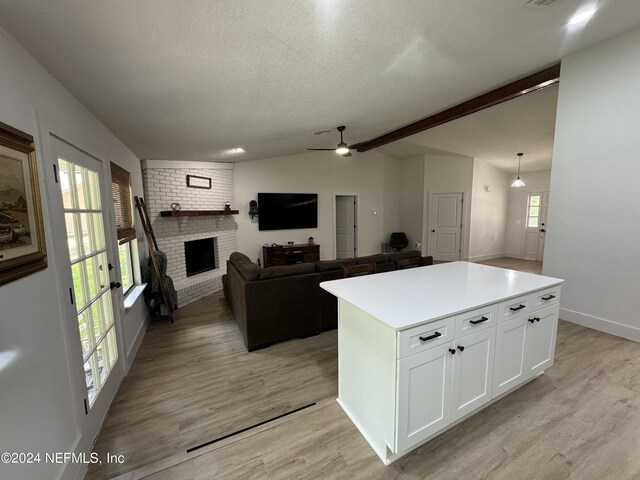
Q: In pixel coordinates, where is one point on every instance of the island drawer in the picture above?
(425, 336)
(514, 307)
(546, 297)
(476, 320)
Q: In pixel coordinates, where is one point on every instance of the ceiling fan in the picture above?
(341, 149)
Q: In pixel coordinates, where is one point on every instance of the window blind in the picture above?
(120, 185)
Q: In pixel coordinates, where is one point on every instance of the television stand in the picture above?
(278, 255)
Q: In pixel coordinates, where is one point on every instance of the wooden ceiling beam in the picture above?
(528, 84)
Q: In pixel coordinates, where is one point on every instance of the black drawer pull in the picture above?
(430, 337)
(549, 297)
(536, 319)
(475, 322)
(452, 351)
(515, 309)
(531, 320)
(461, 348)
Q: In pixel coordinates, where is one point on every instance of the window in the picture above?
(121, 187)
(533, 211)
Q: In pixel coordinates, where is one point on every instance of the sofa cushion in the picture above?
(402, 255)
(249, 270)
(236, 257)
(286, 270)
(377, 258)
(328, 265)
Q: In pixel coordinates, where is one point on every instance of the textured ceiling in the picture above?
(525, 124)
(188, 79)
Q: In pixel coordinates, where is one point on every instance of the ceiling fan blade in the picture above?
(355, 146)
(322, 149)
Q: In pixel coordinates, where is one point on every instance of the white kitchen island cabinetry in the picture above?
(420, 350)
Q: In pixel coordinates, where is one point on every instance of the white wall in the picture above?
(38, 411)
(412, 198)
(488, 218)
(446, 174)
(392, 187)
(593, 240)
(517, 217)
(326, 174)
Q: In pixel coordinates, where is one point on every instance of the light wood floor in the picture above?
(581, 420)
(194, 381)
(515, 264)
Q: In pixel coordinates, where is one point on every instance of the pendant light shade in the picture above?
(517, 182)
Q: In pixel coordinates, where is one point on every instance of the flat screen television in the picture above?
(285, 211)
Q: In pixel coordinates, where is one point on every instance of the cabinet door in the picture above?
(424, 394)
(541, 340)
(473, 372)
(509, 368)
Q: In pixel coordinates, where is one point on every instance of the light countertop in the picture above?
(405, 298)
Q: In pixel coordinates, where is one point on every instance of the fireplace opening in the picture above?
(199, 256)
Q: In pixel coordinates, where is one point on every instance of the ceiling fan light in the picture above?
(342, 149)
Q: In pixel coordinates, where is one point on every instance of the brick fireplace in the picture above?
(165, 182)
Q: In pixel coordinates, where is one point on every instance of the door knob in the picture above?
(542, 230)
(433, 231)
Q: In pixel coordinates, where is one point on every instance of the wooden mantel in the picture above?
(196, 213)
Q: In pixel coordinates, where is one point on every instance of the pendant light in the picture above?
(517, 182)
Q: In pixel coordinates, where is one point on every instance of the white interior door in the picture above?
(345, 226)
(535, 225)
(445, 226)
(85, 268)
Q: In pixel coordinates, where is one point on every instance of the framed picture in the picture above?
(22, 245)
(194, 181)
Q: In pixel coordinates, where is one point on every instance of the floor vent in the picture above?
(211, 442)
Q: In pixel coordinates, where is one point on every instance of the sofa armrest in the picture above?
(428, 260)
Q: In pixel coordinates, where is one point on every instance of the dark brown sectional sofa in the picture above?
(279, 303)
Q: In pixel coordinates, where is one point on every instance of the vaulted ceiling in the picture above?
(187, 80)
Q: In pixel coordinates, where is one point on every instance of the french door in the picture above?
(84, 199)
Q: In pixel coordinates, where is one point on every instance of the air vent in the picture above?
(540, 3)
(322, 132)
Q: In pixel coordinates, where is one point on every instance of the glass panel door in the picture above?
(83, 215)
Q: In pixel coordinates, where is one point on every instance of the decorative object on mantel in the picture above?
(517, 182)
(253, 209)
(22, 245)
(176, 207)
(311, 241)
(227, 207)
(194, 181)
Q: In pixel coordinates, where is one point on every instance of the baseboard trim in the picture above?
(488, 256)
(131, 354)
(601, 324)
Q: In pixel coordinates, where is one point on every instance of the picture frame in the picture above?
(22, 242)
(194, 181)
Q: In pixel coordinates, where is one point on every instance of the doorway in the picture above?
(81, 203)
(346, 226)
(445, 226)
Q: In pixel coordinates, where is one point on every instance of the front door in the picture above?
(445, 226)
(86, 268)
(536, 225)
(345, 226)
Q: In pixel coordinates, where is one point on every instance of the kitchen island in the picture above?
(420, 350)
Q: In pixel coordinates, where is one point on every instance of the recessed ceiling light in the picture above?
(581, 17)
(236, 150)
